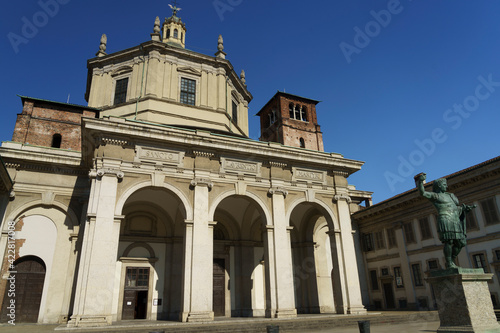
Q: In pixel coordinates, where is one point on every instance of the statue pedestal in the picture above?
(464, 300)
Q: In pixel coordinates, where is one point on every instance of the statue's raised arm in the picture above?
(419, 182)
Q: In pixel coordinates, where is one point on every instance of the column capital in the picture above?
(342, 196)
(278, 190)
(202, 182)
(106, 172)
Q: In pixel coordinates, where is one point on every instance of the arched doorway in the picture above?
(239, 280)
(25, 288)
(150, 253)
(312, 259)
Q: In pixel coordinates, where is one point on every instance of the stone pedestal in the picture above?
(464, 301)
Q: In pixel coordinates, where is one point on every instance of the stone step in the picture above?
(302, 323)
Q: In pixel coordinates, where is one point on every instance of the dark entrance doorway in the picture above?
(219, 293)
(135, 294)
(389, 296)
(28, 290)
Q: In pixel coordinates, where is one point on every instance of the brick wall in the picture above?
(289, 131)
(41, 120)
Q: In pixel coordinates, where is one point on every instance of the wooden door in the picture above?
(219, 292)
(135, 293)
(29, 281)
(129, 304)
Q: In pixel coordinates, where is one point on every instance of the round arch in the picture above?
(32, 206)
(131, 190)
(140, 244)
(329, 214)
(224, 195)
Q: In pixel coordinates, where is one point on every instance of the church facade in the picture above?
(153, 203)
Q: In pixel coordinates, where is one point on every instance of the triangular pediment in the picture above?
(189, 70)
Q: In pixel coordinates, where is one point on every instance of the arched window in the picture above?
(297, 111)
(302, 143)
(176, 33)
(168, 33)
(291, 111)
(56, 141)
(303, 114)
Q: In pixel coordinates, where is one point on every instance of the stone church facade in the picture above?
(153, 203)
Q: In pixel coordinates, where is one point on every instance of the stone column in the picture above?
(198, 258)
(280, 259)
(353, 302)
(96, 273)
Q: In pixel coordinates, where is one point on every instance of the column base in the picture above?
(89, 321)
(286, 313)
(357, 310)
(200, 316)
(464, 301)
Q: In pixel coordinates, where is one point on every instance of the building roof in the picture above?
(414, 190)
(284, 94)
(23, 98)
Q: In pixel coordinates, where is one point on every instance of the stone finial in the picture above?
(242, 76)
(102, 46)
(220, 47)
(156, 29)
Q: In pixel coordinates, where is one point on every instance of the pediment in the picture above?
(189, 70)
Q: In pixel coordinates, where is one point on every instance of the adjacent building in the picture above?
(153, 203)
(400, 245)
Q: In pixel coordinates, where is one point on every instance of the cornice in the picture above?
(222, 144)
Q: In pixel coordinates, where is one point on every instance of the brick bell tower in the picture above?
(291, 120)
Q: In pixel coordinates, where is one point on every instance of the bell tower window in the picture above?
(303, 113)
(176, 33)
(291, 108)
(302, 143)
(56, 141)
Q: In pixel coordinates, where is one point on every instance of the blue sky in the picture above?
(406, 86)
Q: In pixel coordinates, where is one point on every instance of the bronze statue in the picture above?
(451, 221)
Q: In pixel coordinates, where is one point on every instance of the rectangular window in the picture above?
(188, 91)
(385, 271)
(121, 91)
(368, 242)
(235, 112)
(425, 228)
(137, 277)
(379, 240)
(417, 275)
(391, 238)
(409, 234)
(490, 211)
(432, 264)
(497, 255)
(398, 277)
(470, 220)
(479, 261)
(374, 280)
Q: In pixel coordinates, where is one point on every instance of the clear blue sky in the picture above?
(388, 73)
